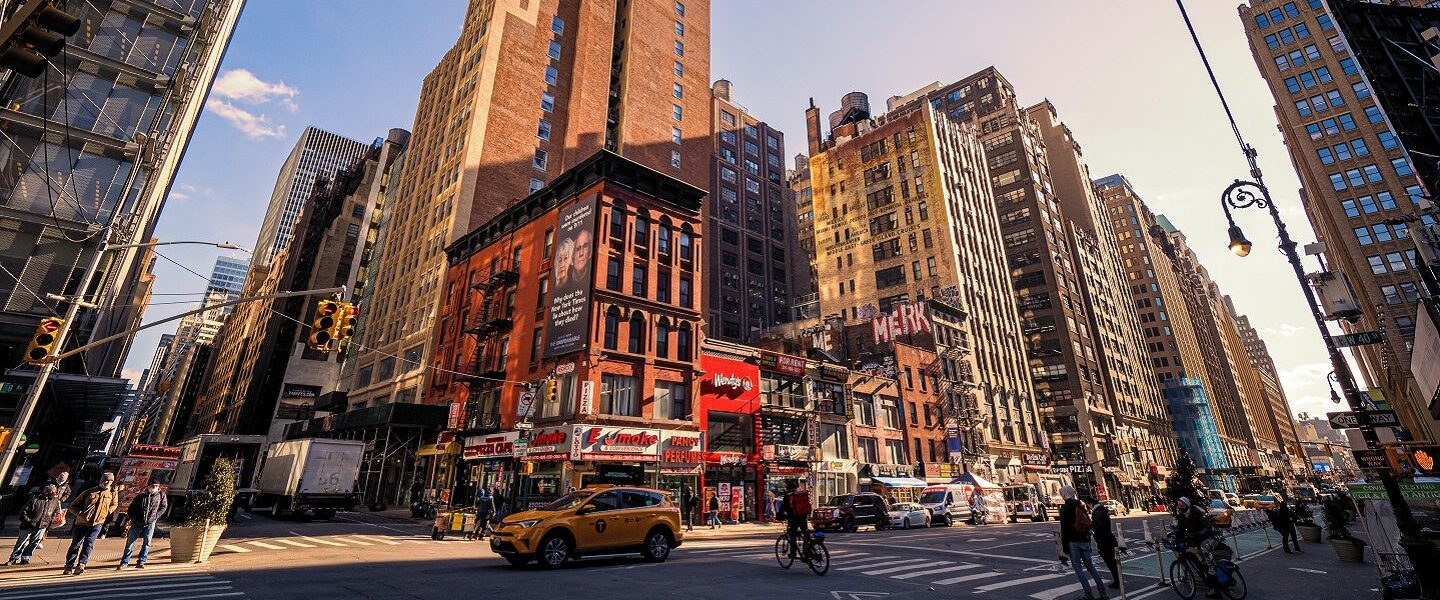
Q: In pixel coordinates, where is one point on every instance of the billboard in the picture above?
(1425, 357)
(571, 279)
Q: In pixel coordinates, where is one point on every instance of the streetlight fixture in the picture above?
(1238, 244)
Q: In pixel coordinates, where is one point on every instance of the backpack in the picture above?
(1083, 524)
(799, 503)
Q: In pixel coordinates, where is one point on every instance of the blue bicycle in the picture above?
(812, 552)
(1207, 565)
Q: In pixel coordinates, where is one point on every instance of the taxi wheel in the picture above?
(657, 546)
(554, 550)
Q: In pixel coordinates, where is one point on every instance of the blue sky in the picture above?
(1122, 73)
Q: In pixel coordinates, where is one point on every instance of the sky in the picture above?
(1122, 73)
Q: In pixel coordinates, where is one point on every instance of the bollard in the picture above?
(1155, 545)
(1122, 549)
(1265, 525)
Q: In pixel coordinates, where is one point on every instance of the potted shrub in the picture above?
(1305, 522)
(209, 508)
(1339, 513)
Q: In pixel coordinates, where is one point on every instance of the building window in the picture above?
(557, 25)
(549, 243)
(679, 91)
(662, 338)
(612, 275)
(554, 50)
(1373, 114)
(552, 75)
(679, 69)
(675, 158)
(617, 396)
(685, 292)
(536, 185)
(543, 131)
(675, 135)
(542, 158)
(682, 342)
(637, 333)
(547, 102)
(1362, 235)
(676, 112)
(1362, 91)
(679, 29)
(679, 48)
(639, 281)
(672, 401)
(612, 329)
(1402, 167)
(1388, 140)
(680, 9)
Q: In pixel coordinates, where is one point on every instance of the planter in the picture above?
(1349, 550)
(193, 544)
(1309, 533)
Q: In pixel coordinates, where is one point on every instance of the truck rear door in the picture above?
(330, 469)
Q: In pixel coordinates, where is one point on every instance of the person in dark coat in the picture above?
(37, 514)
(714, 512)
(144, 512)
(1075, 535)
(688, 502)
(484, 509)
(1106, 542)
(1282, 517)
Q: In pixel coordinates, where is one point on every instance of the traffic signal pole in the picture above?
(32, 396)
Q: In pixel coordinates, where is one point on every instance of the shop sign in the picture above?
(726, 459)
(495, 445)
(600, 442)
(681, 448)
(783, 363)
(731, 379)
(834, 373)
(1037, 459)
(785, 452)
(457, 416)
(1072, 469)
(550, 443)
(879, 470)
(835, 466)
(587, 397)
(950, 470)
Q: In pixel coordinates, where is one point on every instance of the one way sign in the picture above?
(1364, 418)
(1343, 420)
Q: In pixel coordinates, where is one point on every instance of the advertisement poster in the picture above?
(571, 279)
(143, 461)
(297, 401)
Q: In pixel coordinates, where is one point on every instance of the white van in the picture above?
(947, 503)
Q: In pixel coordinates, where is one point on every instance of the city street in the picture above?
(380, 556)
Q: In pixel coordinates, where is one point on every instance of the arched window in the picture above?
(612, 328)
(662, 338)
(662, 238)
(617, 222)
(642, 231)
(682, 342)
(637, 332)
(686, 249)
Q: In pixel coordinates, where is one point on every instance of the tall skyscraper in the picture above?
(157, 363)
(317, 154)
(748, 273)
(529, 90)
(1358, 186)
(228, 276)
(902, 214)
(99, 149)
(803, 277)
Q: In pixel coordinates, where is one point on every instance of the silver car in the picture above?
(905, 515)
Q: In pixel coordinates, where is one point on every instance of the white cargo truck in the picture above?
(315, 476)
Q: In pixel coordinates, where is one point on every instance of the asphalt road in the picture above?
(374, 556)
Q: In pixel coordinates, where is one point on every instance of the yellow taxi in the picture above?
(598, 519)
(1220, 512)
(1261, 501)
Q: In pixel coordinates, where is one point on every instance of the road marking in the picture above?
(137, 588)
(234, 548)
(1053, 593)
(881, 564)
(352, 541)
(1315, 571)
(935, 571)
(376, 538)
(418, 541)
(316, 540)
(264, 545)
(952, 580)
(294, 543)
(909, 567)
(1015, 582)
(981, 540)
(933, 550)
(375, 525)
(202, 596)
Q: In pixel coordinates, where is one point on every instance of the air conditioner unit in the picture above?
(1333, 293)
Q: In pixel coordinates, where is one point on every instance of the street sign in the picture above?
(1380, 418)
(524, 426)
(1412, 491)
(1364, 338)
(1343, 420)
(1371, 459)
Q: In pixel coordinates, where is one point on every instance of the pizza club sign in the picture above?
(905, 319)
(729, 379)
(498, 445)
(599, 442)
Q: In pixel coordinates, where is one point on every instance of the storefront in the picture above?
(729, 403)
(446, 479)
(896, 482)
(833, 478)
(780, 464)
(491, 462)
(546, 464)
(615, 455)
(681, 458)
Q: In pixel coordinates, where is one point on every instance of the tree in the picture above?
(212, 506)
(1183, 482)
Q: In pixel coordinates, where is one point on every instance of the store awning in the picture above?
(975, 480)
(438, 449)
(1003, 462)
(896, 482)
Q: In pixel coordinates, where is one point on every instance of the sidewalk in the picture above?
(740, 530)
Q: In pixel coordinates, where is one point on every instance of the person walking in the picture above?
(144, 512)
(500, 502)
(1283, 519)
(37, 515)
(1106, 542)
(1076, 528)
(484, 509)
(687, 508)
(714, 512)
(91, 507)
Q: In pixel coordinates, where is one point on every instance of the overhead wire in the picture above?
(53, 311)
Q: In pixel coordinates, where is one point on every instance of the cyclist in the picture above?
(795, 509)
(1193, 527)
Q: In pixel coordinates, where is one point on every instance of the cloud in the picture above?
(243, 86)
(182, 192)
(132, 375)
(1305, 374)
(254, 126)
(1282, 329)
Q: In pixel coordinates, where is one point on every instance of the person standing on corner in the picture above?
(37, 515)
(144, 513)
(484, 509)
(1076, 527)
(1106, 542)
(714, 512)
(1283, 519)
(688, 502)
(91, 507)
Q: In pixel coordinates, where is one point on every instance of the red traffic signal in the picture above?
(42, 344)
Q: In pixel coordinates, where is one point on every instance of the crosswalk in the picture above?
(299, 540)
(167, 582)
(931, 571)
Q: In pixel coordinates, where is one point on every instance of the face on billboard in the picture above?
(584, 247)
(570, 298)
(563, 261)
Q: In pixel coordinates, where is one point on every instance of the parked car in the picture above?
(1260, 501)
(946, 504)
(598, 519)
(1220, 513)
(1232, 499)
(847, 512)
(909, 514)
(1116, 508)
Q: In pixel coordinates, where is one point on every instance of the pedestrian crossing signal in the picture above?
(42, 345)
(324, 327)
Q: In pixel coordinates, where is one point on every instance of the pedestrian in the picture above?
(501, 503)
(144, 512)
(1076, 528)
(1283, 519)
(1106, 542)
(116, 519)
(692, 503)
(484, 509)
(714, 512)
(91, 507)
(37, 516)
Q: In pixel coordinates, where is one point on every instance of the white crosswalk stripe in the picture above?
(929, 572)
(881, 564)
(890, 570)
(1053, 593)
(264, 545)
(316, 540)
(294, 543)
(351, 541)
(376, 538)
(233, 548)
(140, 585)
(963, 579)
(1015, 582)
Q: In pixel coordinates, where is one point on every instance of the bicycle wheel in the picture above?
(819, 559)
(1237, 589)
(782, 552)
(1182, 579)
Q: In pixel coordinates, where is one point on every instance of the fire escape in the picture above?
(955, 398)
(489, 326)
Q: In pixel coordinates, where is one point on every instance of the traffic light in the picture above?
(42, 346)
(324, 327)
(349, 313)
(34, 35)
(552, 391)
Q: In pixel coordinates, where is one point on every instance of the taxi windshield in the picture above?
(568, 501)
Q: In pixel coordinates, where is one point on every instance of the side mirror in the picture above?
(587, 509)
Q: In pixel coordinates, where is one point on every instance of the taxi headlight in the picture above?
(526, 524)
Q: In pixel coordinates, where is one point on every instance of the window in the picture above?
(1362, 91)
(1342, 151)
(678, 91)
(1347, 122)
(682, 342)
(895, 451)
(679, 29)
(679, 48)
(685, 292)
(1272, 42)
(1292, 84)
(1362, 235)
(1360, 148)
(1388, 140)
(639, 281)
(676, 112)
(1323, 74)
(535, 185)
(617, 395)
(864, 410)
(890, 277)
(1391, 294)
(1367, 204)
(1387, 200)
(637, 333)
(892, 414)
(1348, 66)
(675, 158)
(1326, 156)
(1377, 264)
(1372, 173)
(672, 400)
(557, 25)
(680, 9)
(662, 338)
(675, 135)
(543, 131)
(1291, 11)
(1353, 176)
(547, 102)
(1286, 36)
(1282, 63)
(1382, 232)
(554, 50)
(1402, 167)
(1396, 261)
(1325, 22)
(552, 75)
(679, 69)
(1312, 53)
(542, 158)
(1302, 31)
(612, 329)
(1373, 114)
(685, 246)
(612, 275)
(1307, 79)
(1335, 98)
